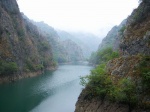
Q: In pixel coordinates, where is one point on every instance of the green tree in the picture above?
(8, 68)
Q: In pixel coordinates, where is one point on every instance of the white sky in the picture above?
(96, 16)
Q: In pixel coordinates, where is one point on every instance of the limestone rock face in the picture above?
(123, 66)
(136, 38)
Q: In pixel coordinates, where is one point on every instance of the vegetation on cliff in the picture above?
(103, 56)
(124, 79)
(8, 68)
(126, 89)
(22, 48)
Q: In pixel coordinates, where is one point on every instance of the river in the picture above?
(55, 91)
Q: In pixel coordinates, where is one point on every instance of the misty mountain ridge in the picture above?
(87, 41)
(64, 51)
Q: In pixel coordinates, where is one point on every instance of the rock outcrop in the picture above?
(136, 37)
(98, 105)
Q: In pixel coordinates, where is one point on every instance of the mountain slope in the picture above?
(122, 85)
(22, 49)
(63, 50)
(87, 42)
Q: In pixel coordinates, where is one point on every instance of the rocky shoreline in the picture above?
(99, 105)
(13, 78)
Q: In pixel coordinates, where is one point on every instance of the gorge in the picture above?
(118, 81)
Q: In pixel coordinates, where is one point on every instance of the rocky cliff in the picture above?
(136, 37)
(125, 85)
(23, 50)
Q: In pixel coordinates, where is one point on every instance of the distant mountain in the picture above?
(73, 50)
(64, 50)
(87, 41)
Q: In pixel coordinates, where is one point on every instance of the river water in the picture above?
(55, 91)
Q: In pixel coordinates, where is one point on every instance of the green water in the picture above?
(51, 92)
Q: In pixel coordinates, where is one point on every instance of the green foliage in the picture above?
(126, 92)
(92, 59)
(98, 79)
(31, 66)
(8, 68)
(125, 89)
(105, 55)
(39, 67)
(98, 82)
(145, 72)
(45, 46)
(144, 68)
(122, 29)
(138, 15)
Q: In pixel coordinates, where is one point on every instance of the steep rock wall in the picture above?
(21, 45)
(136, 39)
(134, 44)
(123, 67)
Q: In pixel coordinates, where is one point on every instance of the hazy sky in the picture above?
(96, 16)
